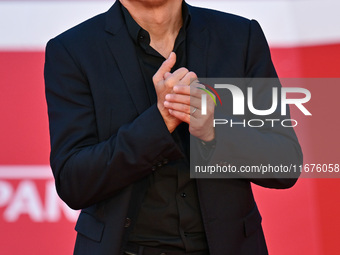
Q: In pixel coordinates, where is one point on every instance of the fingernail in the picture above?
(170, 55)
(167, 97)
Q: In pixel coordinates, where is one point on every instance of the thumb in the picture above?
(165, 68)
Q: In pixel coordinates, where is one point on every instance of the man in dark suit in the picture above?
(121, 114)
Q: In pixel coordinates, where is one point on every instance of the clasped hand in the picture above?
(179, 99)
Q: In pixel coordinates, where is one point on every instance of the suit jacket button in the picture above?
(127, 222)
(153, 168)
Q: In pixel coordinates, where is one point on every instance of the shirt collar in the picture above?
(135, 30)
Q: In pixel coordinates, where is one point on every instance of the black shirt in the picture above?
(170, 215)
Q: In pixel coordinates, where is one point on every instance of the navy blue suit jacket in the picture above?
(106, 137)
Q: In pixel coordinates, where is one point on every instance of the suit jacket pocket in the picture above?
(252, 222)
(90, 227)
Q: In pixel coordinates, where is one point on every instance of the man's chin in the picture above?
(152, 3)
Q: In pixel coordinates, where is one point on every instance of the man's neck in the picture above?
(161, 18)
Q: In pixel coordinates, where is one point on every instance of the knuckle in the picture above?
(192, 75)
(170, 97)
(183, 69)
(179, 88)
(199, 85)
(169, 83)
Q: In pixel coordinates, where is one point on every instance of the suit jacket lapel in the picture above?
(123, 50)
(197, 45)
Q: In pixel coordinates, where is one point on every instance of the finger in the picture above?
(197, 84)
(178, 107)
(180, 115)
(175, 77)
(188, 78)
(180, 73)
(193, 110)
(178, 98)
(193, 98)
(165, 68)
(182, 89)
(181, 99)
(189, 90)
(166, 75)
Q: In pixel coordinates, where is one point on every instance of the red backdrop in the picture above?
(302, 220)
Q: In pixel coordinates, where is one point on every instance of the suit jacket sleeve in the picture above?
(272, 146)
(246, 146)
(86, 169)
